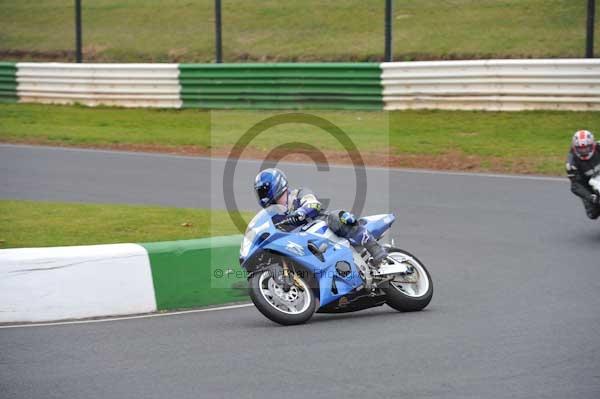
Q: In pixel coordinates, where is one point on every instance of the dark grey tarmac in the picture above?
(515, 314)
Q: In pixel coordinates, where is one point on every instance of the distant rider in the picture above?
(583, 162)
(271, 187)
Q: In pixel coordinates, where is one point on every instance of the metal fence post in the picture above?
(78, 52)
(591, 11)
(218, 41)
(388, 30)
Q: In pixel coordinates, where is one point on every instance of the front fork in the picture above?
(286, 278)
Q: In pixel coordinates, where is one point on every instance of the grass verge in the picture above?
(293, 30)
(41, 224)
(515, 142)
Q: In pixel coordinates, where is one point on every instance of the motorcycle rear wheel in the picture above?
(286, 308)
(404, 295)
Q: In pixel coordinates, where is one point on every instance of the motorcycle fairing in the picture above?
(378, 224)
(331, 284)
(262, 235)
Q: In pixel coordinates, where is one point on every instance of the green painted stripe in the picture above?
(279, 74)
(188, 273)
(8, 82)
(286, 98)
(282, 86)
(286, 65)
(350, 91)
(281, 82)
(281, 105)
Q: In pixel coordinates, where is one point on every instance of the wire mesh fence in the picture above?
(294, 30)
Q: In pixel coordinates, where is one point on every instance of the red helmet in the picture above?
(583, 144)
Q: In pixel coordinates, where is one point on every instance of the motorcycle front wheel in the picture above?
(412, 291)
(296, 306)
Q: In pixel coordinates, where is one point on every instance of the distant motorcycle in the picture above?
(295, 271)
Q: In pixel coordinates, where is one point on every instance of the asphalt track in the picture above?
(516, 268)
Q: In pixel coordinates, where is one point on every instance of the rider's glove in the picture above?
(297, 218)
(347, 218)
(595, 199)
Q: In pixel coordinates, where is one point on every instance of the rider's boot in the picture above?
(377, 252)
(592, 210)
(345, 224)
(362, 236)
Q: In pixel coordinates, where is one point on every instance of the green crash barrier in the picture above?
(194, 273)
(282, 86)
(8, 82)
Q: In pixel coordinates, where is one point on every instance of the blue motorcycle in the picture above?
(294, 272)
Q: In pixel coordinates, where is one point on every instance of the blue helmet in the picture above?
(269, 185)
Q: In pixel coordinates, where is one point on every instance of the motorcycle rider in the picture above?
(271, 187)
(583, 162)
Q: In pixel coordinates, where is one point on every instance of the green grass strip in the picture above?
(517, 142)
(294, 30)
(42, 224)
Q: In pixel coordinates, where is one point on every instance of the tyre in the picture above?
(287, 308)
(410, 292)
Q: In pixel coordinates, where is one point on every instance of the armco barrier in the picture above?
(8, 82)
(46, 284)
(126, 85)
(281, 86)
(505, 85)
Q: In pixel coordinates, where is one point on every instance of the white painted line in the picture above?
(492, 175)
(144, 316)
(300, 164)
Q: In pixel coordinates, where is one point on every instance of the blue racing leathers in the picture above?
(304, 205)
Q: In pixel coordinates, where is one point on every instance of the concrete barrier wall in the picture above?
(48, 284)
(193, 273)
(41, 284)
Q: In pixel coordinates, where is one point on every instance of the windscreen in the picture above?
(263, 221)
